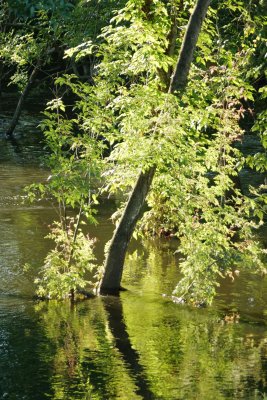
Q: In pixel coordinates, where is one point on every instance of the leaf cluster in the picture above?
(66, 266)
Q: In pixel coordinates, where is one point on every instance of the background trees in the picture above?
(34, 38)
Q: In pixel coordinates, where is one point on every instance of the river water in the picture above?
(140, 345)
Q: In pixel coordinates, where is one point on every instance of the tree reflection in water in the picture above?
(118, 328)
(136, 346)
(132, 348)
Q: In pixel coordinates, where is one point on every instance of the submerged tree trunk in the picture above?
(21, 101)
(114, 262)
(113, 267)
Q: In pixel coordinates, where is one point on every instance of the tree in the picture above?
(210, 220)
(117, 250)
(183, 142)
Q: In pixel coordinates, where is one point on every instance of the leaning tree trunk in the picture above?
(111, 280)
(113, 267)
(21, 101)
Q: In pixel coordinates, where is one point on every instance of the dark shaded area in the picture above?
(23, 373)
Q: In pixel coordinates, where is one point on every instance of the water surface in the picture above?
(140, 345)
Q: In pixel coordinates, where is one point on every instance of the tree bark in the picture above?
(179, 78)
(21, 101)
(113, 267)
